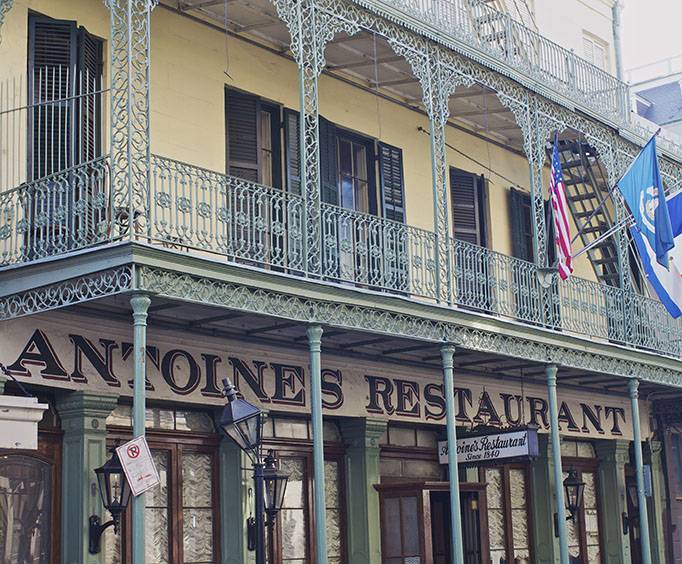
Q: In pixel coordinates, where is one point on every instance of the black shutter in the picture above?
(466, 191)
(52, 50)
(328, 163)
(293, 150)
(521, 224)
(241, 114)
(392, 182)
(89, 82)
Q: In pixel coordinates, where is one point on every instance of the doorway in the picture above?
(415, 523)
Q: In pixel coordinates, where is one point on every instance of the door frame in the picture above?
(423, 490)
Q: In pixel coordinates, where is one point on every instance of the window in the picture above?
(508, 513)
(65, 74)
(292, 537)
(676, 461)
(584, 536)
(595, 51)
(253, 138)
(180, 515)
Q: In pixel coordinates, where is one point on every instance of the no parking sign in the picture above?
(138, 465)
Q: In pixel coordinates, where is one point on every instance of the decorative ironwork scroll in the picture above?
(5, 6)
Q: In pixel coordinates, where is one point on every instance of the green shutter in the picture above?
(328, 163)
(292, 139)
(90, 64)
(392, 182)
(466, 191)
(241, 114)
(521, 225)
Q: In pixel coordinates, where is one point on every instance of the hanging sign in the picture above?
(473, 449)
(138, 465)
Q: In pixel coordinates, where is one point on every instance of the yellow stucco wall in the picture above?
(187, 119)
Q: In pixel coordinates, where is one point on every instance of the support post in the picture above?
(83, 416)
(447, 354)
(633, 389)
(129, 115)
(362, 500)
(315, 346)
(545, 545)
(232, 499)
(140, 304)
(613, 456)
(551, 372)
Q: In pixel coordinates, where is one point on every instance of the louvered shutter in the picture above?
(89, 81)
(52, 53)
(521, 226)
(466, 190)
(293, 150)
(328, 163)
(392, 182)
(241, 111)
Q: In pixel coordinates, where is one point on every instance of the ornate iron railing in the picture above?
(478, 25)
(191, 208)
(59, 213)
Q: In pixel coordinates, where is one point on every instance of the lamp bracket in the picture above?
(96, 531)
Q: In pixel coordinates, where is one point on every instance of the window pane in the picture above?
(197, 504)
(391, 526)
(156, 418)
(121, 415)
(410, 525)
(25, 503)
(294, 540)
(156, 513)
(291, 428)
(193, 421)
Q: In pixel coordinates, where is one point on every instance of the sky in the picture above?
(652, 30)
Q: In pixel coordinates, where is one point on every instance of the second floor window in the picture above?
(595, 51)
(65, 79)
(521, 224)
(263, 146)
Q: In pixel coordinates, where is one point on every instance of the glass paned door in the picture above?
(25, 509)
(156, 546)
(197, 508)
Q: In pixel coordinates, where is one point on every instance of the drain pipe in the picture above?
(618, 6)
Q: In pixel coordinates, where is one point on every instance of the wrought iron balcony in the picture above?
(201, 211)
(482, 32)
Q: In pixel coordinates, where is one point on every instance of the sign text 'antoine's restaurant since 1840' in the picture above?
(75, 353)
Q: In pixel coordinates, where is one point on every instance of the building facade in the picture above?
(206, 189)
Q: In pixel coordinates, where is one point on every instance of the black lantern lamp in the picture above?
(275, 487)
(573, 490)
(241, 421)
(115, 493)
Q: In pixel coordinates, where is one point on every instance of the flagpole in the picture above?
(611, 231)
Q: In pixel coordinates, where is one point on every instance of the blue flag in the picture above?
(667, 282)
(643, 191)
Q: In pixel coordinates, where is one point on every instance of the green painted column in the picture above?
(652, 456)
(633, 387)
(447, 354)
(545, 544)
(613, 456)
(233, 501)
(550, 372)
(362, 500)
(83, 416)
(140, 305)
(319, 502)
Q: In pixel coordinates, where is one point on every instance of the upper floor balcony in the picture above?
(368, 188)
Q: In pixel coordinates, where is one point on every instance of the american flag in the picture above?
(557, 191)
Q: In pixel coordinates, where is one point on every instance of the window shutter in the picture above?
(392, 182)
(89, 81)
(466, 194)
(293, 151)
(328, 163)
(521, 225)
(241, 111)
(52, 63)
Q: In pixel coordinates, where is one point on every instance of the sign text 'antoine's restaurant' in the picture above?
(56, 354)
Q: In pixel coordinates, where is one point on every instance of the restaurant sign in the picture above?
(71, 352)
(518, 443)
